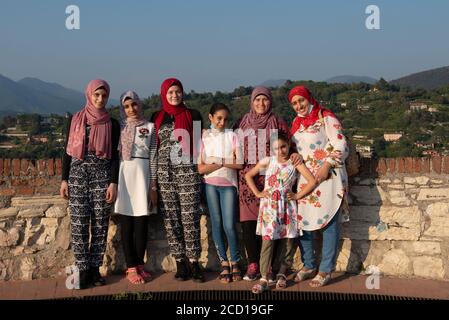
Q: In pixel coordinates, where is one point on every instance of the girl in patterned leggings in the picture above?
(178, 179)
(89, 180)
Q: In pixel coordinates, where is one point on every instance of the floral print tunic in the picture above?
(278, 216)
(320, 142)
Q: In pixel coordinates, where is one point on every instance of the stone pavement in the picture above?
(55, 288)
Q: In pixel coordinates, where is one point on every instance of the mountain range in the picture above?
(429, 79)
(32, 95)
(351, 79)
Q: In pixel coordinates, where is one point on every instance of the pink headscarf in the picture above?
(260, 121)
(129, 125)
(100, 126)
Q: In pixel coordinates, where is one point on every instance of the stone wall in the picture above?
(399, 223)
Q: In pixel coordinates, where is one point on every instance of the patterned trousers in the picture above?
(180, 201)
(88, 182)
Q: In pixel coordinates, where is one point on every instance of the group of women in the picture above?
(281, 185)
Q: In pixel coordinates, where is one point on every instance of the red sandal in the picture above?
(144, 274)
(133, 276)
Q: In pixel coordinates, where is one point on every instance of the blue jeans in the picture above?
(329, 253)
(222, 204)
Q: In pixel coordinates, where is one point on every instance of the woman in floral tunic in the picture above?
(320, 141)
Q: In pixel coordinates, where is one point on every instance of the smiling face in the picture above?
(261, 104)
(174, 95)
(300, 105)
(219, 119)
(131, 108)
(99, 98)
(281, 149)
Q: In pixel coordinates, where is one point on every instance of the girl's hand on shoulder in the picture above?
(296, 159)
(292, 196)
(263, 194)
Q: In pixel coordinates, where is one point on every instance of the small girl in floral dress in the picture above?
(278, 220)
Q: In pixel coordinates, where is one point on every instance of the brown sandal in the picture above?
(262, 286)
(225, 276)
(236, 273)
(281, 282)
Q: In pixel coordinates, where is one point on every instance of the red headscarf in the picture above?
(183, 117)
(313, 116)
(100, 126)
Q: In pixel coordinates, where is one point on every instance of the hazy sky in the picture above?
(218, 45)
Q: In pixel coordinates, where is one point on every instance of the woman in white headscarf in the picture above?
(137, 184)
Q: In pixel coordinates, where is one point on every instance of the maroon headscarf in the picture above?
(259, 121)
(313, 116)
(100, 126)
(183, 116)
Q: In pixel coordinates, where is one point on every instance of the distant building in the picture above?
(392, 137)
(39, 138)
(362, 138)
(344, 104)
(7, 146)
(425, 145)
(363, 108)
(433, 109)
(431, 153)
(418, 106)
(365, 151)
(16, 135)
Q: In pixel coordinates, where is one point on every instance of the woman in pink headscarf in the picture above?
(260, 117)
(90, 167)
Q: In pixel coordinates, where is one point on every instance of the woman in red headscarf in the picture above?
(178, 178)
(90, 168)
(320, 141)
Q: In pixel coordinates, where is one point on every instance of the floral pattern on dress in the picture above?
(278, 217)
(319, 143)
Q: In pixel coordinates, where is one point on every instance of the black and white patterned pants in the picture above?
(180, 200)
(88, 182)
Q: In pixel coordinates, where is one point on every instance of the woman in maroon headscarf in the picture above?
(260, 116)
(178, 179)
(90, 168)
